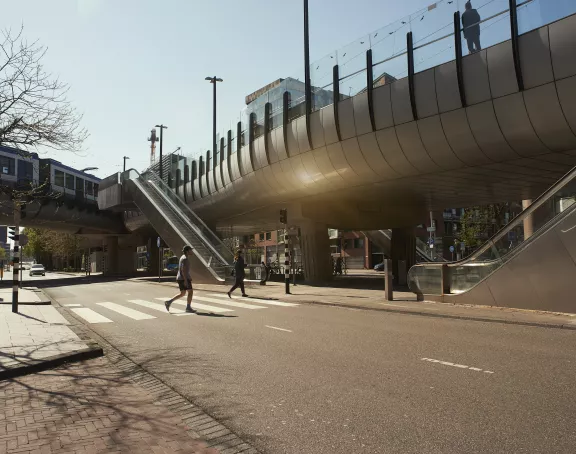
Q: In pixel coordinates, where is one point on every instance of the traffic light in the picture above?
(12, 233)
(284, 216)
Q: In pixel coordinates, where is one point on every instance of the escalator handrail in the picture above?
(537, 203)
(189, 210)
(194, 228)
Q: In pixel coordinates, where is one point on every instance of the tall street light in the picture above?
(307, 81)
(86, 169)
(162, 127)
(214, 80)
(125, 157)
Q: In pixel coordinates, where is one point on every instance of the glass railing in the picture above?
(212, 241)
(433, 44)
(461, 276)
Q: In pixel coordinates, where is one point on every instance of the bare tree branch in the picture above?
(34, 110)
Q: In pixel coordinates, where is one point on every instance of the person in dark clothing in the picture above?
(471, 26)
(239, 274)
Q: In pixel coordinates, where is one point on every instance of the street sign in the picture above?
(158, 242)
(451, 248)
(431, 229)
(431, 241)
(463, 246)
(23, 239)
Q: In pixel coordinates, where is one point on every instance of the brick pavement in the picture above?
(88, 407)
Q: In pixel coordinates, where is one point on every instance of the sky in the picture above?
(132, 64)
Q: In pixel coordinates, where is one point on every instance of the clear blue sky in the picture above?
(132, 64)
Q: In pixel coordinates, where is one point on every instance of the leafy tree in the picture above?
(479, 223)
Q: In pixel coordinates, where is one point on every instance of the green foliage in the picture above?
(58, 244)
(479, 223)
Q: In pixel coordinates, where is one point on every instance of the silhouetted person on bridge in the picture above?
(471, 26)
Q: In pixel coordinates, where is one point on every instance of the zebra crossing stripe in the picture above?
(204, 307)
(257, 300)
(228, 303)
(156, 306)
(91, 316)
(131, 313)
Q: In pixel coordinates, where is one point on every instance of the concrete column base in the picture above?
(111, 245)
(315, 246)
(403, 248)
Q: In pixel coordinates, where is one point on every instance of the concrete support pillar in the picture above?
(111, 244)
(403, 248)
(529, 221)
(315, 246)
(153, 255)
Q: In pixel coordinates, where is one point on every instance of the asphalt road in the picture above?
(313, 379)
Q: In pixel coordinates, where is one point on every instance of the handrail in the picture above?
(537, 203)
(187, 208)
(198, 231)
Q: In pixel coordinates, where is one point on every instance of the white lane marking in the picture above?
(73, 305)
(216, 310)
(157, 307)
(131, 313)
(460, 366)
(279, 329)
(255, 300)
(229, 302)
(91, 316)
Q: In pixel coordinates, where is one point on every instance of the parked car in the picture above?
(37, 270)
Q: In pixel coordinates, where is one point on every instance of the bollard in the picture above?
(388, 284)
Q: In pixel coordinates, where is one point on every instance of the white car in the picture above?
(37, 270)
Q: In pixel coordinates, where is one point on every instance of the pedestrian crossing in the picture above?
(139, 309)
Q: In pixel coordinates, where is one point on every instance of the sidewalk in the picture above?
(88, 407)
(404, 303)
(37, 337)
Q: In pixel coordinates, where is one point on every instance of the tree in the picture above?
(43, 244)
(479, 223)
(34, 111)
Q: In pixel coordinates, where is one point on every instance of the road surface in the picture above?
(312, 379)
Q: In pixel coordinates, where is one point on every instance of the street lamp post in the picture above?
(214, 80)
(125, 157)
(86, 169)
(307, 81)
(162, 127)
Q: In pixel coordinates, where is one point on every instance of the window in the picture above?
(79, 184)
(89, 188)
(261, 236)
(69, 181)
(268, 236)
(358, 243)
(59, 178)
(7, 165)
(95, 189)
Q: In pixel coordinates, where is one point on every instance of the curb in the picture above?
(93, 350)
(199, 424)
(38, 303)
(437, 315)
(455, 317)
(52, 362)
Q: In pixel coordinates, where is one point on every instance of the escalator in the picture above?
(383, 239)
(529, 264)
(178, 225)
